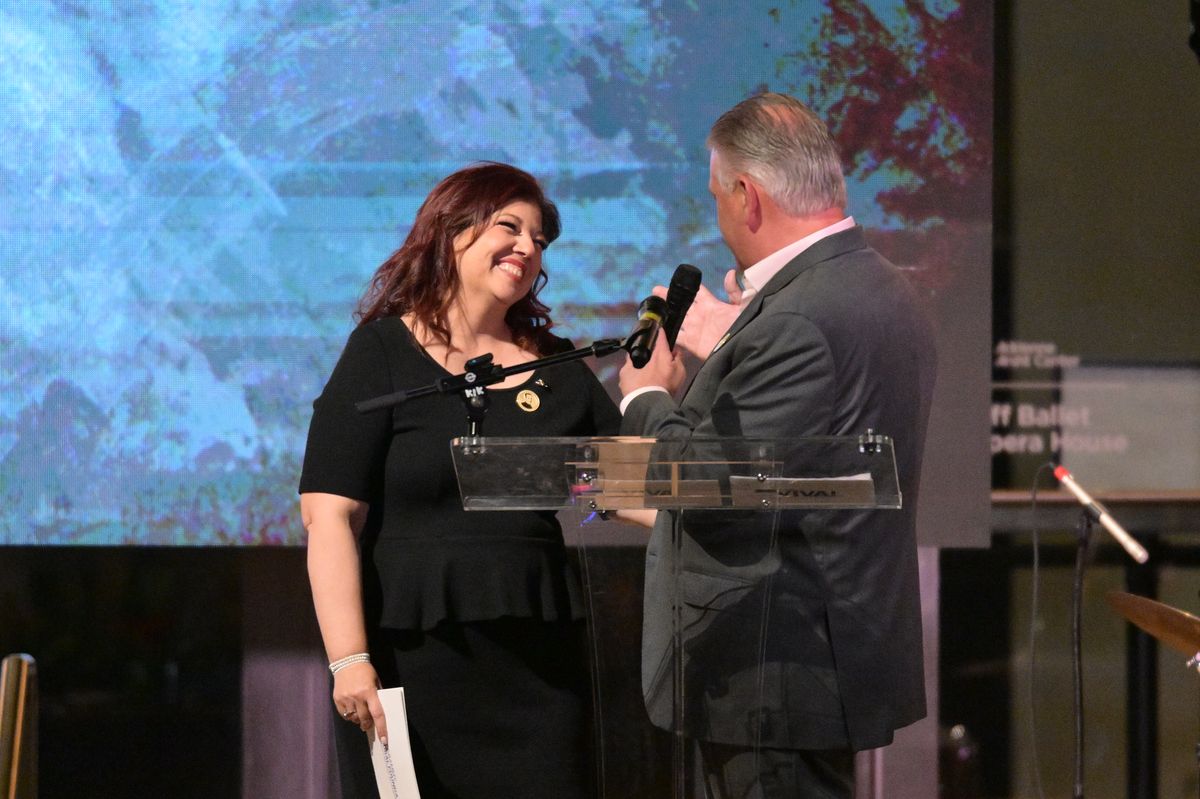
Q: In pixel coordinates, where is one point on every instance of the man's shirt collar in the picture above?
(758, 275)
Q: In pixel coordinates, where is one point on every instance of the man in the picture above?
(805, 646)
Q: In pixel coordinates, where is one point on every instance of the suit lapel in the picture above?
(830, 247)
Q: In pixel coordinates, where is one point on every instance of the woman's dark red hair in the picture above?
(421, 278)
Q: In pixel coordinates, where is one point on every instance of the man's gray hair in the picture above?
(785, 148)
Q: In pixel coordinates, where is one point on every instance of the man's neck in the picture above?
(779, 230)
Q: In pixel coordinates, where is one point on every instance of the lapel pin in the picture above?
(528, 401)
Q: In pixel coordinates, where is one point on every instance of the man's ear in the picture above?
(751, 204)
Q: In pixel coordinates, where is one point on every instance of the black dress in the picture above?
(477, 614)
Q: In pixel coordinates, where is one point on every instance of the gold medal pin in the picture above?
(528, 401)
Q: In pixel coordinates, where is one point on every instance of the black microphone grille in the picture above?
(685, 283)
(687, 277)
(653, 305)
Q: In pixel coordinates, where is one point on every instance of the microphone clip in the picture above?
(640, 342)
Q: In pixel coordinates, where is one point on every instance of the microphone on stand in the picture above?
(640, 342)
(680, 295)
(1135, 550)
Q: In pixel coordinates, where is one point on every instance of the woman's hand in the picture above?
(356, 696)
(333, 523)
(641, 517)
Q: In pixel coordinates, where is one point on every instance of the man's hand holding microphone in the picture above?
(692, 321)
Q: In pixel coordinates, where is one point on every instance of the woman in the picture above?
(477, 615)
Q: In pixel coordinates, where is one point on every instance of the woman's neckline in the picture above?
(412, 337)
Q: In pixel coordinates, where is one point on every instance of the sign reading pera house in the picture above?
(1126, 426)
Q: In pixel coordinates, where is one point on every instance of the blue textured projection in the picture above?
(193, 196)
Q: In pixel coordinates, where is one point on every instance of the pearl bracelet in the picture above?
(349, 660)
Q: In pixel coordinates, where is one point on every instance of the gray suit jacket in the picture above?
(809, 638)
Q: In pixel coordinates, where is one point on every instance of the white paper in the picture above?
(394, 772)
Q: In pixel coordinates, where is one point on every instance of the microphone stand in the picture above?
(480, 373)
(1092, 511)
(1083, 533)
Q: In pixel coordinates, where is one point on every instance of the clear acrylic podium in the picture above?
(710, 664)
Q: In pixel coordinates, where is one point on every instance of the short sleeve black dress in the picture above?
(477, 614)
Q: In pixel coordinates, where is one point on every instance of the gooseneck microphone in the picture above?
(680, 294)
(640, 342)
(1135, 550)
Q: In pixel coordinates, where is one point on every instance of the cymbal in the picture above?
(1175, 628)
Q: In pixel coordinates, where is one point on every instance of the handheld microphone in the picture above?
(645, 332)
(1135, 550)
(680, 294)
